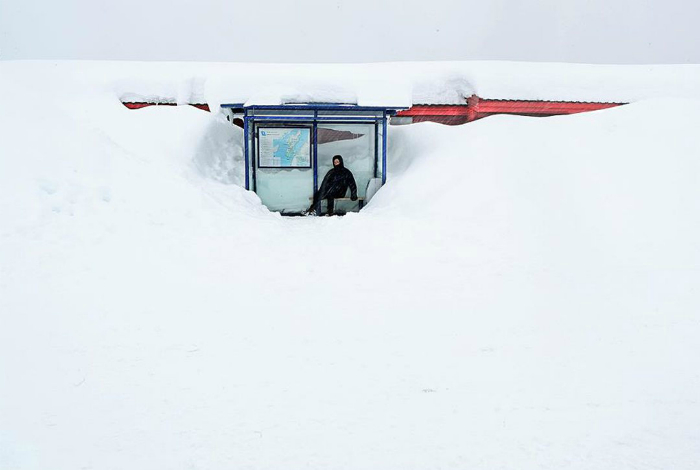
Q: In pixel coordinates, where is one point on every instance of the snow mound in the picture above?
(383, 84)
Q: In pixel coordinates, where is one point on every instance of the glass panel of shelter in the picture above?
(283, 188)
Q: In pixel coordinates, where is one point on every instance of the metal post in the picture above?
(315, 155)
(384, 140)
(376, 147)
(317, 208)
(246, 137)
(254, 155)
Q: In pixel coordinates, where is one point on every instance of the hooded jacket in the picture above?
(336, 182)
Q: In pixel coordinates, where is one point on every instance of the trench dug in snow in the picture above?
(521, 294)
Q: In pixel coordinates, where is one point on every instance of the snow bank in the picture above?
(383, 84)
(521, 294)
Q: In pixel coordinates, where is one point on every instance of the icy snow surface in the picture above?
(522, 294)
(382, 84)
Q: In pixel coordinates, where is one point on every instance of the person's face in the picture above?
(336, 162)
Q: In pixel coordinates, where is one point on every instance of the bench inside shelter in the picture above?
(360, 203)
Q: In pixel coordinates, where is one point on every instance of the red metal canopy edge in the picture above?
(475, 108)
(139, 105)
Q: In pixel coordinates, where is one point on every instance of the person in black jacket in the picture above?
(335, 184)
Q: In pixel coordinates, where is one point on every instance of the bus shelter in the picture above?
(289, 148)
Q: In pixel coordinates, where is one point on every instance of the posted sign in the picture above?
(284, 147)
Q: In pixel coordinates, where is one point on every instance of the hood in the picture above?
(342, 165)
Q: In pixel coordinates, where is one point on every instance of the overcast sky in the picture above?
(592, 31)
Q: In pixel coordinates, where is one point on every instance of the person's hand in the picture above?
(353, 198)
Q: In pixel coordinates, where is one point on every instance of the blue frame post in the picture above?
(376, 147)
(245, 144)
(315, 151)
(315, 162)
(384, 140)
(254, 155)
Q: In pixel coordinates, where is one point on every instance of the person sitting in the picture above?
(335, 184)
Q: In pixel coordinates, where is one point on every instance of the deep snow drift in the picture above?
(382, 84)
(521, 294)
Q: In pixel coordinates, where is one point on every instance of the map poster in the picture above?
(284, 147)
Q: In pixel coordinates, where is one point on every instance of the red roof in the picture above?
(477, 108)
(474, 108)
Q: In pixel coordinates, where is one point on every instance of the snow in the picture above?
(398, 84)
(521, 294)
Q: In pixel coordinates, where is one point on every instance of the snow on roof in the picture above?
(382, 84)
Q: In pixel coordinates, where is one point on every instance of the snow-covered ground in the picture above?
(522, 294)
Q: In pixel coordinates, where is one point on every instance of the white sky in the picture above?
(594, 31)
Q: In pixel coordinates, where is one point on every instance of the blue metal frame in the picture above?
(250, 125)
(340, 119)
(245, 134)
(376, 147)
(384, 148)
(315, 106)
(314, 157)
(253, 153)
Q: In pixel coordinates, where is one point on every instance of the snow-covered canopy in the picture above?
(382, 84)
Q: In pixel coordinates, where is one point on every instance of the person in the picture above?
(335, 184)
